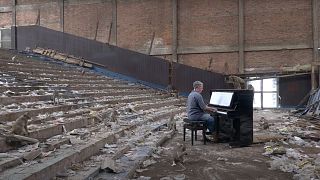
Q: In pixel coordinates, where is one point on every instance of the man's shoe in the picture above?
(215, 138)
(212, 138)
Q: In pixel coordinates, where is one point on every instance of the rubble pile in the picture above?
(75, 117)
(298, 149)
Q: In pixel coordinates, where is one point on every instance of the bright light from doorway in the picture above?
(265, 93)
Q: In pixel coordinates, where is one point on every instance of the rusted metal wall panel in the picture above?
(293, 89)
(133, 64)
(142, 67)
(184, 76)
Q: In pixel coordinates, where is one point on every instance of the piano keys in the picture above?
(234, 116)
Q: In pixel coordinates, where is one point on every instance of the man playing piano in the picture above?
(196, 108)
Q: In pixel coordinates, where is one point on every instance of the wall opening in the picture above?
(266, 93)
(5, 38)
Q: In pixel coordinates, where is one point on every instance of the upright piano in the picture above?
(234, 116)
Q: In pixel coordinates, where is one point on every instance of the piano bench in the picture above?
(194, 126)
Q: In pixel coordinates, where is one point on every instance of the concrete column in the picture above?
(315, 69)
(14, 26)
(241, 36)
(174, 30)
(61, 15)
(113, 34)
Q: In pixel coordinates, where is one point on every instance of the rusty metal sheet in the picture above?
(140, 66)
(184, 76)
(126, 62)
(293, 89)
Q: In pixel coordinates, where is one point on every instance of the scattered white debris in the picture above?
(222, 159)
(143, 178)
(110, 145)
(148, 162)
(234, 163)
(141, 170)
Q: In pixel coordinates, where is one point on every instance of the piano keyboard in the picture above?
(222, 112)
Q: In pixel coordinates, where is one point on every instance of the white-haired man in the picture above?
(196, 108)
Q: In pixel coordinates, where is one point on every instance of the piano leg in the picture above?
(236, 128)
(217, 126)
(238, 139)
(184, 133)
(204, 135)
(192, 137)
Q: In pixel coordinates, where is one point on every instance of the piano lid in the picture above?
(223, 99)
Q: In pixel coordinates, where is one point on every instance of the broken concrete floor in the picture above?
(100, 118)
(77, 125)
(214, 161)
(278, 153)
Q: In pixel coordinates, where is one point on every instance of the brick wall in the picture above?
(27, 16)
(5, 19)
(277, 59)
(220, 62)
(139, 19)
(49, 15)
(207, 29)
(82, 20)
(277, 22)
(5, 2)
(208, 23)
